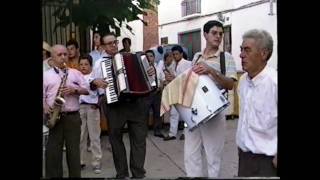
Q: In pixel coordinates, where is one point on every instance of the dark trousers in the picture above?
(255, 165)
(154, 102)
(67, 131)
(134, 114)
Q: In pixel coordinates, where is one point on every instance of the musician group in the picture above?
(124, 87)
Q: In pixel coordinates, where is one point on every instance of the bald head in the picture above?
(55, 48)
(59, 55)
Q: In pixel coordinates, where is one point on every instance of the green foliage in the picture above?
(100, 14)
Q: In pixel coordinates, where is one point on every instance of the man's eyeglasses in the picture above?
(216, 33)
(115, 42)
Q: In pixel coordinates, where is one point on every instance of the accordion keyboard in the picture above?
(107, 75)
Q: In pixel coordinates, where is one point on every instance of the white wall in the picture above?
(212, 6)
(136, 39)
(170, 10)
(250, 18)
(240, 21)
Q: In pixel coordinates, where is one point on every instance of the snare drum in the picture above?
(207, 102)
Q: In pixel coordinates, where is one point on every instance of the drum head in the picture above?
(208, 101)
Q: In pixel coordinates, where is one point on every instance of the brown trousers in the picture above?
(67, 131)
(255, 165)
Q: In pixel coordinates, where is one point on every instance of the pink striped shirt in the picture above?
(51, 83)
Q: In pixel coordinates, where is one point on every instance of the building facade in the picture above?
(181, 21)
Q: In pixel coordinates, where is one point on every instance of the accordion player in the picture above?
(126, 75)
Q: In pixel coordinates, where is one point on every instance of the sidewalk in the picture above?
(164, 159)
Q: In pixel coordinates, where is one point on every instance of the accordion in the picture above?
(126, 74)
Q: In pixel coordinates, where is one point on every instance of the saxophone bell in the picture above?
(59, 101)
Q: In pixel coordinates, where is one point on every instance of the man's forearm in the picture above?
(225, 82)
(82, 91)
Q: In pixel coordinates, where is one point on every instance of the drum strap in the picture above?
(222, 63)
(223, 70)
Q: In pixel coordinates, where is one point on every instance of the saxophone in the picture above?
(54, 116)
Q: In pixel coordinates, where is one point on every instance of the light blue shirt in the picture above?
(95, 54)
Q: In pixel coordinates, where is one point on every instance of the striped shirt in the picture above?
(214, 62)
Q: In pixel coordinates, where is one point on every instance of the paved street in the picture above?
(164, 159)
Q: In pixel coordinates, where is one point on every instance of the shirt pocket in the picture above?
(262, 117)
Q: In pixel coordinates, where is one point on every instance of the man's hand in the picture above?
(275, 161)
(151, 71)
(100, 83)
(68, 91)
(47, 109)
(202, 68)
(168, 76)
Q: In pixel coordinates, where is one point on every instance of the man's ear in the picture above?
(205, 35)
(264, 54)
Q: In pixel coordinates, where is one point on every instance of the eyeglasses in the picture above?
(216, 33)
(115, 42)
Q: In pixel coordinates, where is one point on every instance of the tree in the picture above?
(101, 14)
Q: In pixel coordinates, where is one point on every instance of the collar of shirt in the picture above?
(215, 55)
(258, 78)
(59, 71)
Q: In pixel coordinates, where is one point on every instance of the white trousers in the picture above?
(90, 125)
(174, 121)
(205, 142)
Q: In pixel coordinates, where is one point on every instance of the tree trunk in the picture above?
(84, 40)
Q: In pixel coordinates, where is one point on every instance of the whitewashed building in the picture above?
(181, 21)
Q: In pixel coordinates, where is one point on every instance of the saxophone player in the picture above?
(67, 128)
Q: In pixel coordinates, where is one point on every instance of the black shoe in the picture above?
(121, 177)
(158, 134)
(168, 138)
(182, 137)
(138, 177)
(83, 166)
(181, 125)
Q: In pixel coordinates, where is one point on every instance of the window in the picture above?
(164, 40)
(189, 7)
(190, 40)
(227, 39)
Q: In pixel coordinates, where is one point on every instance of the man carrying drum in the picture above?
(209, 137)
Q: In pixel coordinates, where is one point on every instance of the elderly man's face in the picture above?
(252, 57)
(59, 55)
(110, 44)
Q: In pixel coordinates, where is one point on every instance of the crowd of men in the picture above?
(85, 96)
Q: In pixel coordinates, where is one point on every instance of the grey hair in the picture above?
(262, 37)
